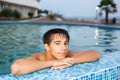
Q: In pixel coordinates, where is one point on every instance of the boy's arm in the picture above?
(85, 56)
(31, 64)
(80, 57)
(24, 66)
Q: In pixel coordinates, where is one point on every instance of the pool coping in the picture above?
(110, 72)
(61, 23)
(99, 71)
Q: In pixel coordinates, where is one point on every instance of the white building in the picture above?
(23, 6)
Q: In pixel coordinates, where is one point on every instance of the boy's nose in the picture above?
(64, 47)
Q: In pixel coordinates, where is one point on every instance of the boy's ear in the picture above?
(46, 47)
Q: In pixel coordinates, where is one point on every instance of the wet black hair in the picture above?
(47, 37)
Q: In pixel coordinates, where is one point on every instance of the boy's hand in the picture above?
(63, 63)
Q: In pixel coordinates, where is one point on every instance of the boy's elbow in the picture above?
(98, 55)
(15, 68)
(95, 55)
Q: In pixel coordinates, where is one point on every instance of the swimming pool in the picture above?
(22, 39)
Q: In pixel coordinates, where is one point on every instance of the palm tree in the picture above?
(109, 7)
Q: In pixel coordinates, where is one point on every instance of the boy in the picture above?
(56, 56)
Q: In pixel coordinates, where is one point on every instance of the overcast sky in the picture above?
(74, 8)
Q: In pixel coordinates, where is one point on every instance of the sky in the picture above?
(75, 8)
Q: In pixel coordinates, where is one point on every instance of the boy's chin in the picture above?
(61, 58)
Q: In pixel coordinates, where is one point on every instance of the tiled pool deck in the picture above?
(107, 68)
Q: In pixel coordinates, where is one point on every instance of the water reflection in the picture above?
(106, 39)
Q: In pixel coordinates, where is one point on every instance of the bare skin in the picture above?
(57, 56)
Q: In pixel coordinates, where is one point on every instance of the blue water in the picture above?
(18, 40)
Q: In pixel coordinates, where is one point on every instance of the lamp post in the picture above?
(97, 8)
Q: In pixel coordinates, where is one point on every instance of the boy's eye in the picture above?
(57, 43)
(66, 43)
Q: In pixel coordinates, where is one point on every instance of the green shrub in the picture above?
(51, 16)
(114, 20)
(6, 12)
(0, 14)
(30, 14)
(16, 14)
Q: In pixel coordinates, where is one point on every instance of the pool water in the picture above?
(18, 40)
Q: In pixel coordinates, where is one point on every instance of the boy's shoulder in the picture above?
(39, 56)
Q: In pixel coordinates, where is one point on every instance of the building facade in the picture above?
(23, 6)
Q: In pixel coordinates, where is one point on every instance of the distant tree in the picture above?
(109, 7)
(46, 11)
(40, 11)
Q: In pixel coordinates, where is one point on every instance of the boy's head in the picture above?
(48, 36)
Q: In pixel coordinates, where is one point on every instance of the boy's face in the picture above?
(58, 47)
